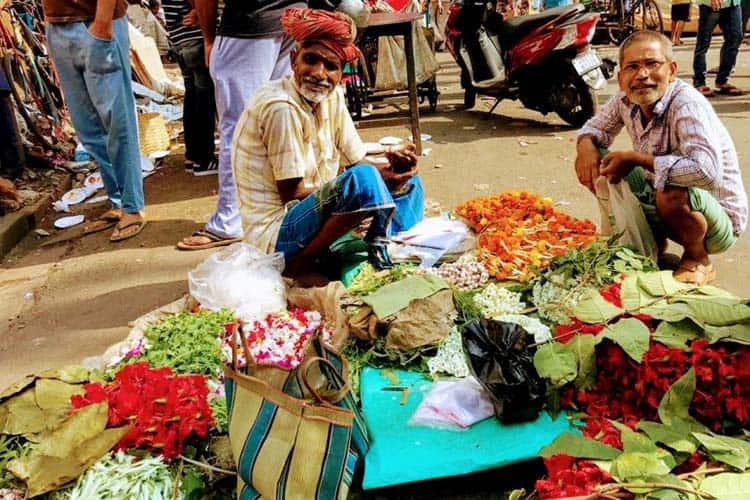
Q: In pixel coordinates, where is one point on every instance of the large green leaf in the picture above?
(55, 394)
(719, 311)
(634, 442)
(664, 493)
(727, 486)
(665, 311)
(555, 362)
(17, 387)
(23, 415)
(578, 446)
(676, 436)
(633, 296)
(635, 465)
(72, 374)
(739, 333)
(677, 334)
(593, 308)
(661, 283)
(715, 292)
(731, 451)
(631, 334)
(675, 404)
(583, 348)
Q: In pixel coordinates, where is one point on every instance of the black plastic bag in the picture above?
(500, 356)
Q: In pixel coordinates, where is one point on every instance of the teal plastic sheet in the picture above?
(401, 453)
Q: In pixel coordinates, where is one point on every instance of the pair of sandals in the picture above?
(113, 219)
(726, 89)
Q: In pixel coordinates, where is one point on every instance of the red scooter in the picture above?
(545, 60)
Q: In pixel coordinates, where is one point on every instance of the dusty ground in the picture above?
(66, 301)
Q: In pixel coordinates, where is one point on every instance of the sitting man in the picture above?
(290, 145)
(683, 167)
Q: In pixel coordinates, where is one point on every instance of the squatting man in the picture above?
(683, 167)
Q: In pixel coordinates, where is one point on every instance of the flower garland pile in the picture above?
(279, 339)
(164, 409)
(522, 232)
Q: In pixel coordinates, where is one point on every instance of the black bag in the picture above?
(329, 5)
(502, 361)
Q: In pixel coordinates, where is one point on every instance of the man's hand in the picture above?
(618, 164)
(716, 4)
(402, 166)
(101, 30)
(207, 46)
(439, 9)
(587, 162)
(191, 19)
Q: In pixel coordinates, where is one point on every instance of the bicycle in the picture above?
(620, 18)
(34, 84)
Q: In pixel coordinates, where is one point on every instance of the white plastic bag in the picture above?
(241, 278)
(622, 214)
(453, 405)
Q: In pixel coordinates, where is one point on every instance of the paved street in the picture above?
(72, 299)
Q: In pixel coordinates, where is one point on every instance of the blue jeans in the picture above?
(730, 21)
(95, 79)
(358, 189)
(199, 108)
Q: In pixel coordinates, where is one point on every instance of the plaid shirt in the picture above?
(690, 145)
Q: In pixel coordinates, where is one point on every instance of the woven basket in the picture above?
(152, 132)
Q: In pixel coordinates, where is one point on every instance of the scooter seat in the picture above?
(515, 28)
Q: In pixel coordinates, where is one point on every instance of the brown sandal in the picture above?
(214, 241)
(729, 89)
(105, 221)
(706, 91)
(118, 235)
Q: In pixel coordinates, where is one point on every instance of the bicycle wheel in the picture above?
(648, 14)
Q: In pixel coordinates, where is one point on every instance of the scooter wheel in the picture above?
(470, 97)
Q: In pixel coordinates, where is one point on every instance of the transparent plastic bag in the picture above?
(622, 214)
(453, 405)
(241, 278)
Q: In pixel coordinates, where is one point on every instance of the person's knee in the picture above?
(362, 175)
(672, 202)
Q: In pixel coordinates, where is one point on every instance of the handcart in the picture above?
(362, 87)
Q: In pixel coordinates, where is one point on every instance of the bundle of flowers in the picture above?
(522, 232)
(164, 409)
(279, 339)
(659, 368)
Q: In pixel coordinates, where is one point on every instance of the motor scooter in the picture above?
(545, 60)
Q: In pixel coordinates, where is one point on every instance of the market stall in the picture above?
(510, 331)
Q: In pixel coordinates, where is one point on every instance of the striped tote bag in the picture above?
(287, 447)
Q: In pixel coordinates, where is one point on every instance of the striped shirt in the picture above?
(174, 12)
(690, 145)
(280, 136)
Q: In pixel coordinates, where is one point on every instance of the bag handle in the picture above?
(333, 397)
(248, 358)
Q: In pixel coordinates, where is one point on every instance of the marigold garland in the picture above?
(521, 232)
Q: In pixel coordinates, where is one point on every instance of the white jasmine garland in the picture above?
(533, 326)
(450, 357)
(497, 300)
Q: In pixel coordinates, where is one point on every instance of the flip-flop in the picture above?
(699, 275)
(117, 234)
(706, 91)
(729, 89)
(105, 221)
(215, 241)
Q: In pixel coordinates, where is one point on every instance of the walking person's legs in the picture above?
(707, 21)
(239, 67)
(730, 21)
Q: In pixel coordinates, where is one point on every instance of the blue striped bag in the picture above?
(291, 447)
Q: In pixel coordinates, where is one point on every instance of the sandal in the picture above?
(698, 275)
(706, 91)
(729, 89)
(120, 233)
(214, 241)
(107, 220)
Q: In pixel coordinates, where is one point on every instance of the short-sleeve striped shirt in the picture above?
(174, 11)
(280, 136)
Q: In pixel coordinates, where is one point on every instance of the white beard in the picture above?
(312, 92)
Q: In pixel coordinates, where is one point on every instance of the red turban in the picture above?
(333, 30)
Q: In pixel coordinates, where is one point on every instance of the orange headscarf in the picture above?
(333, 30)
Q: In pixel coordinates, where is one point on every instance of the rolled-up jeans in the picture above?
(359, 189)
(95, 79)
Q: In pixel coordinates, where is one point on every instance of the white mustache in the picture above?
(317, 83)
